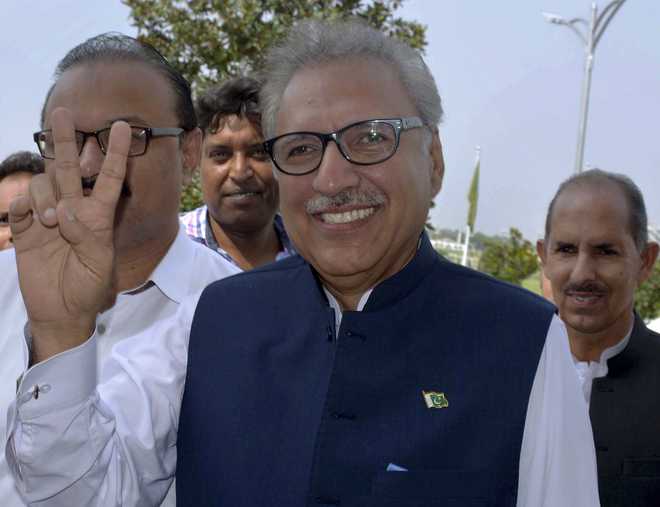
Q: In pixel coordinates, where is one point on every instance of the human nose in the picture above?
(335, 173)
(91, 157)
(241, 167)
(584, 269)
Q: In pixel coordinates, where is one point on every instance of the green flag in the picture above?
(473, 195)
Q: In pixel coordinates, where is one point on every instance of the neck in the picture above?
(590, 346)
(348, 299)
(134, 266)
(249, 250)
(348, 289)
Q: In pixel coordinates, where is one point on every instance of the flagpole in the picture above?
(466, 246)
(468, 229)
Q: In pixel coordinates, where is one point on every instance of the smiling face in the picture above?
(237, 178)
(99, 94)
(593, 263)
(10, 186)
(357, 225)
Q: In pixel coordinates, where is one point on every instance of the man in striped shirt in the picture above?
(239, 218)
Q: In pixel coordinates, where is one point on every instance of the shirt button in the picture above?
(101, 328)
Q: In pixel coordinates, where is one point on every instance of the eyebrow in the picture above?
(605, 245)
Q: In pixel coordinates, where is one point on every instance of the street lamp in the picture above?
(593, 31)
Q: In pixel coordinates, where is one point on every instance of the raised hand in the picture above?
(64, 240)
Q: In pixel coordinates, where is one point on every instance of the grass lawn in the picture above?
(532, 283)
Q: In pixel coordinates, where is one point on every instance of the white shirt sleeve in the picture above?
(77, 442)
(558, 456)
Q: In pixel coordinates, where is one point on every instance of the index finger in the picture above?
(67, 165)
(113, 171)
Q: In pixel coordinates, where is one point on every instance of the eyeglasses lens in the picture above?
(369, 142)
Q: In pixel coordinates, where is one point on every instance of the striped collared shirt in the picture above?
(198, 227)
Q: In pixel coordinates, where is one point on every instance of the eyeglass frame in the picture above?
(398, 124)
(150, 132)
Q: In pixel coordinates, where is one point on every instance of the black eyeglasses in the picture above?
(140, 137)
(364, 143)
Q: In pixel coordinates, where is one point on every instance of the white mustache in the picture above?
(349, 197)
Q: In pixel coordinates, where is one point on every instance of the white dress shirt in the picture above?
(654, 325)
(133, 448)
(115, 444)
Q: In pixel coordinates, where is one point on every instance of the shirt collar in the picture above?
(610, 352)
(334, 304)
(207, 233)
(169, 276)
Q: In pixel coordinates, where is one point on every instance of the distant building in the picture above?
(453, 250)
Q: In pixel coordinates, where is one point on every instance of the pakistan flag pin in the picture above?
(435, 400)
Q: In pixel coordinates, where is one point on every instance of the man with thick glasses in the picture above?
(118, 137)
(140, 137)
(377, 373)
(368, 371)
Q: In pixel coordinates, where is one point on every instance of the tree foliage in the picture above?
(512, 259)
(191, 194)
(211, 40)
(647, 298)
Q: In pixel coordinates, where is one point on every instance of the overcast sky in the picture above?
(510, 82)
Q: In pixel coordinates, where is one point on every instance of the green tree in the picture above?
(211, 40)
(647, 298)
(512, 259)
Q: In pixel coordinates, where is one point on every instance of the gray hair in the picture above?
(631, 192)
(313, 42)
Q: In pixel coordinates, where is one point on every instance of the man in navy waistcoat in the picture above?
(596, 253)
(370, 371)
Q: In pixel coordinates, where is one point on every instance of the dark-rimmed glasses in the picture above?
(140, 137)
(365, 142)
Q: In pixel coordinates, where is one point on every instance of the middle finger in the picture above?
(67, 164)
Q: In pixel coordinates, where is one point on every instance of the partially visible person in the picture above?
(596, 253)
(115, 99)
(16, 171)
(239, 218)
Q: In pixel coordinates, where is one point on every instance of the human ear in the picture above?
(438, 168)
(540, 251)
(649, 256)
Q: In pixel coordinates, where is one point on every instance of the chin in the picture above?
(341, 265)
(586, 324)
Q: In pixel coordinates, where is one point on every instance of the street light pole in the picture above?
(594, 29)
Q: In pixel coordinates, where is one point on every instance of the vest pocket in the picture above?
(433, 487)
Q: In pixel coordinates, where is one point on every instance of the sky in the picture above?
(510, 83)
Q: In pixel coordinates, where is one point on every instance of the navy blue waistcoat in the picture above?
(278, 412)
